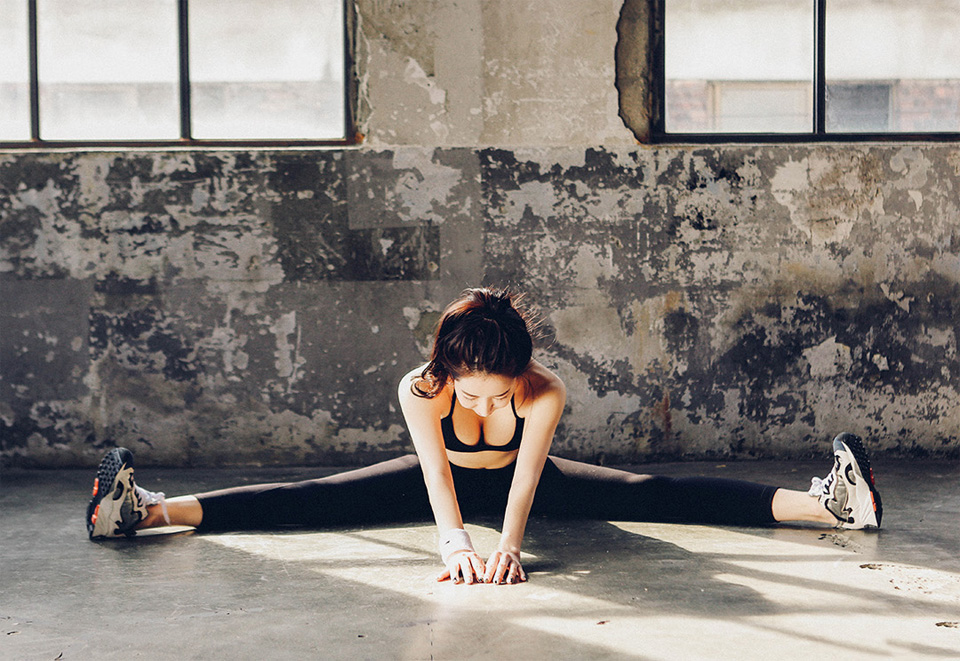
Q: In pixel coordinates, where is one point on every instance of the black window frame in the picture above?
(186, 139)
(818, 133)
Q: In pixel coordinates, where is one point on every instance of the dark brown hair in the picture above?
(481, 331)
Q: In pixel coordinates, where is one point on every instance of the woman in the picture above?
(482, 414)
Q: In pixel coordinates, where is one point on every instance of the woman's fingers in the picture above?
(471, 568)
(491, 568)
(477, 566)
(463, 567)
(504, 567)
(466, 569)
(494, 565)
(521, 576)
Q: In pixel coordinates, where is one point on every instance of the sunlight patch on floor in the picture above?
(828, 574)
(680, 637)
(764, 587)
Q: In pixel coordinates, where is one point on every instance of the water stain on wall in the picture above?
(259, 307)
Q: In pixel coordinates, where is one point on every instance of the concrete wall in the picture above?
(257, 307)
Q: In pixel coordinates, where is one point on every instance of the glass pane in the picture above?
(767, 107)
(108, 69)
(893, 66)
(739, 66)
(14, 71)
(262, 69)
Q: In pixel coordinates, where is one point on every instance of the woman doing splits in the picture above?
(482, 415)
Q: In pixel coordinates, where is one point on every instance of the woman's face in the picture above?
(484, 393)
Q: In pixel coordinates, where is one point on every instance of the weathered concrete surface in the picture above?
(741, 300)
(212, 307)
(258, 307)
(597, 590)
(490, 72)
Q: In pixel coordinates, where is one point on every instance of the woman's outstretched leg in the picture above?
(389, 491)
(180, 511)
(580, 490)
(847, 497)
(385, 492)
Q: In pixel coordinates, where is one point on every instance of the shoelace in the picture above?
(818, 486)
(154, 498)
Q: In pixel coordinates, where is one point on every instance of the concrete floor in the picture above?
(596, 590)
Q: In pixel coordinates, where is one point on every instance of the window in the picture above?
(172, 71)
(807, 69)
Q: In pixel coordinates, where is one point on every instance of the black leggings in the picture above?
(393, 491)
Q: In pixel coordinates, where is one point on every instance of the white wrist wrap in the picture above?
(454, 541)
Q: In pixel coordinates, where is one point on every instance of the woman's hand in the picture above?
(504, 567)
(463, 566)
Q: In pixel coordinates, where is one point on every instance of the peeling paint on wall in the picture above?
(258, 308)
(782, 264)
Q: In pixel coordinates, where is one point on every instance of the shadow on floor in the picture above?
(597, 589)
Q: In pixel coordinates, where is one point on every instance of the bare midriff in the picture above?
(488, 459)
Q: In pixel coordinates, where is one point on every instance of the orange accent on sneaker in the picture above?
(96, 512)
(96, 486)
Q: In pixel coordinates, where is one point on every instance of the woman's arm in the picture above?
(422, 416)
(541, 422)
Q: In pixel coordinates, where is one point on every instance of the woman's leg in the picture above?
(577, 489)
(791, 505)
(181, 511)
(386, 492)
(786, 505)
(389, 491)
(847, 497)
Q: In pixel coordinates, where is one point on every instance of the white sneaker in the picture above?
(849, 492)
(118, 504)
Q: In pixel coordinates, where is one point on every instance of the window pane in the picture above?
(108, 69)
(767, 107)
(266, 69)
(14, 71)
(739, 66)
(893, 65)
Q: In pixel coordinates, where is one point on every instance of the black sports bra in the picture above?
(451, 441)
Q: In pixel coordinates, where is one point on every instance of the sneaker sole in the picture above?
(103, 511)
(870, 509)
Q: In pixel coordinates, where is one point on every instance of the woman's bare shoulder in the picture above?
(409, 399)
(412, 375)
(543, 387)
(542, 378)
